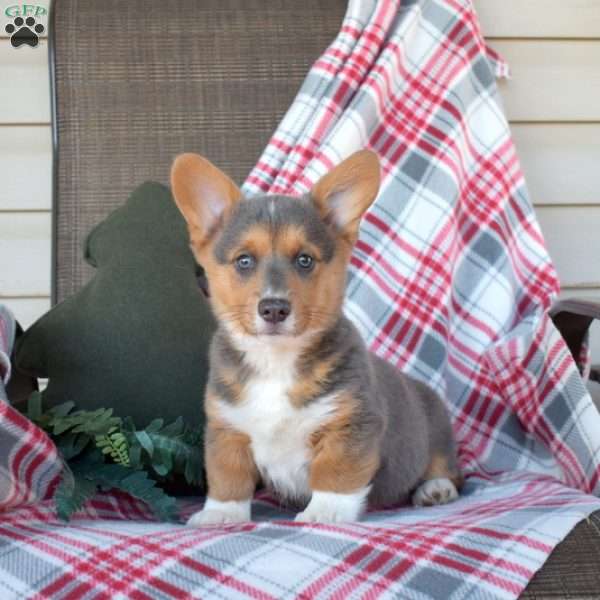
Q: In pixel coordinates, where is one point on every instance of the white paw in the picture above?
(314, 515)
(219, 513)
(435, 491)
(213, 517)
(329, 507)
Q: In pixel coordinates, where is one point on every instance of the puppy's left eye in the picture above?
(304, 261)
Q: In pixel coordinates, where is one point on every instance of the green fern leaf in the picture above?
(174, 429)
(72, 493)
(143, 437)
(62, 410)
(114, 444)
(155, 425)
(171, 450)
(139, 485)
(71, 445)
(135, 457)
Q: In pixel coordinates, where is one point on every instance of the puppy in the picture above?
(294, 397)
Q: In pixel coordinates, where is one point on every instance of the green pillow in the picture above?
(136, 337)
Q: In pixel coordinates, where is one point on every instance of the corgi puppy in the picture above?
(294, 398)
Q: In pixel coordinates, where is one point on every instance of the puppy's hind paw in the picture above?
(434, 492)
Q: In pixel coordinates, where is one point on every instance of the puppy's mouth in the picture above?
(274, 329)
(269, 321)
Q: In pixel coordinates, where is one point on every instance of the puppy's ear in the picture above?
(344, 194)
(203, 193)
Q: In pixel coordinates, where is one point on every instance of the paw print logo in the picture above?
(24, 31)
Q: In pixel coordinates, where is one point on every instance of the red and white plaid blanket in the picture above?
(451, 282)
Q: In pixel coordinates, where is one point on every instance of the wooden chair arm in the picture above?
(573, 317)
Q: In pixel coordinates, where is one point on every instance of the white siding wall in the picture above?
(552, 100)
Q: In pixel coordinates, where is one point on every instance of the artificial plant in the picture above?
(101, 451)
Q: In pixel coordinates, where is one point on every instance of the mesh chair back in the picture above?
(137, 82)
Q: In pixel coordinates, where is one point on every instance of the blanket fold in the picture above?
(451, 282)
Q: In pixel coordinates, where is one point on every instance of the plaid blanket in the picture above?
(451, 282)
(29, 463)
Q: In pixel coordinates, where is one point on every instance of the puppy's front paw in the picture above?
(328, 515)
(216, 512)
(329, 507)
(213, 517)
(434, 492)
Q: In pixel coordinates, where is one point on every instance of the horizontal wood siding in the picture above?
(27, 310)
(25, 167)
(576, 254)
(551, 80)
(25, 91)
(24, 254)
(561, 161)
(539, 18)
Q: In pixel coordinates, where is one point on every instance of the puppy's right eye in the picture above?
(245, 262)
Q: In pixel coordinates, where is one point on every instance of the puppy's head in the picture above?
(276, 265)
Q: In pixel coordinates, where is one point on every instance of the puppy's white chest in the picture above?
(280, 433)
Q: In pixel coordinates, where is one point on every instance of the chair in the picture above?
(136, 83)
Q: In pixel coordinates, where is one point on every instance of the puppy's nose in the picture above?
(274, 310)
